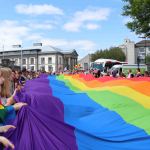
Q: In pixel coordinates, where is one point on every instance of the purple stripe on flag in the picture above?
(40, 125)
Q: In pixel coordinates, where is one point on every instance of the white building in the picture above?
(129, 49)
(133, 50)
(85, 62)
(46, 58)
(142, 50)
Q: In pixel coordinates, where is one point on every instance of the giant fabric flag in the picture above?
(79, 112)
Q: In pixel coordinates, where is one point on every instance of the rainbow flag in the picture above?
(106, 113)
(79, 112)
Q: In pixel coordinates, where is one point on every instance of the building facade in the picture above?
(45, 58)
(129, 50)
(85, 62)
(133, 51)
(142, 49)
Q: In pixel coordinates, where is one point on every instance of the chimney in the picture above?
(16, 46)
(37, 44)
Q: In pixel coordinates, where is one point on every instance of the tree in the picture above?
(139, 12)
(111, 53)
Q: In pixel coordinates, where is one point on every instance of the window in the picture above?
(16, 61)
(50, 68)
(42, 60)
(49, 60)
(32, 61)
(24, 67)
(42, 68)
(24, 61)
(142, 50)
(141, 56)
(32, 68)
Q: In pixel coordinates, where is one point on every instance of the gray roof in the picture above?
(143, 43)
(50, 48)
(69, 51)
(41, 49)
(19, 49)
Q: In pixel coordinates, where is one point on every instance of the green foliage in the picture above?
(139, 12)
(112, 53)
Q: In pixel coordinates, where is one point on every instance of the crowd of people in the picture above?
(120, 73)
(113, 73)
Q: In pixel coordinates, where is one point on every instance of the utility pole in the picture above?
(3, 50)
(21, 53)
(21, 58)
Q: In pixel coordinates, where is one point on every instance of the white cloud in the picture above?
(88, 15)
(91, 26)
(70, 44)
(11, 32)
(44, 9)
(43, 26)
(94, 14)
(82, 46)
(12, 28)
(33, 37)
(72, 26)
(14, 32)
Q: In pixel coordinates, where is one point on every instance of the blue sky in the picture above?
(84, 25)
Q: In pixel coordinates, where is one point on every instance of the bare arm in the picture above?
(4, 129)
(6, 142)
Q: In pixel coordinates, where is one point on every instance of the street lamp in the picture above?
(3, 50)
(21, 58)
(21, 54)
